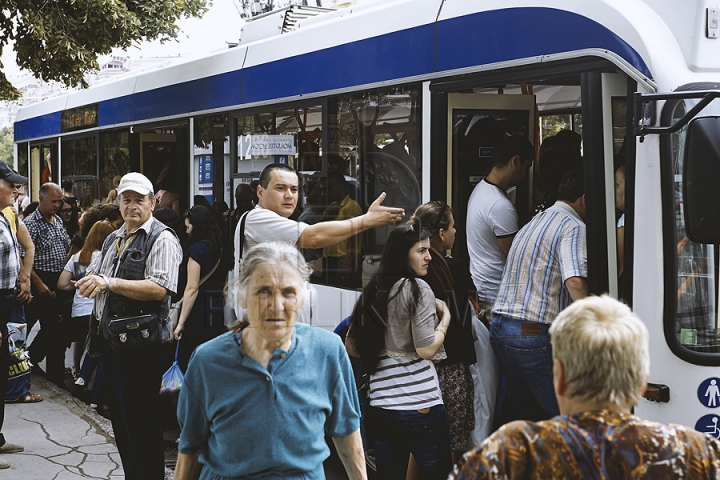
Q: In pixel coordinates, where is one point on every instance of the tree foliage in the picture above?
(61, 39)
(6, 145)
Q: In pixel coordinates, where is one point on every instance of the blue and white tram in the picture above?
(398, 91)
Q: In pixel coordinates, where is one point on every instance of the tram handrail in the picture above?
(641, 100)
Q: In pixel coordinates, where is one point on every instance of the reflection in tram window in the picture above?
(378, 136)
(379, 144)
(79, 166)
(696, 324)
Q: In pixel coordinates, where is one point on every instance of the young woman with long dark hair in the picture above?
(201, 316)
(398, 329)
(449, 280)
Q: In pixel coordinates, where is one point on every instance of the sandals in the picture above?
(28, 398)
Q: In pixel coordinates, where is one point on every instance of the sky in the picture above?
(220, 24)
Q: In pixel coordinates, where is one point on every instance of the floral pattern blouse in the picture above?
(597, 444)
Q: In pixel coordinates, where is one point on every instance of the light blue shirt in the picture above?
(544, 254)
(252, 422)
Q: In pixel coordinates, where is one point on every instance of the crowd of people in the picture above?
(264, 393)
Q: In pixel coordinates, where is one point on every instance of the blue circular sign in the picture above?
(709, 424)
(709, 392)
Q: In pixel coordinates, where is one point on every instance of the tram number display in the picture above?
(244, 146)
(265, 145)
(79, 118)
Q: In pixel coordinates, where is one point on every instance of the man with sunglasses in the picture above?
(51, 246)
(10, 271)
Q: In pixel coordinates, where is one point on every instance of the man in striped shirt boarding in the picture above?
(545, 272)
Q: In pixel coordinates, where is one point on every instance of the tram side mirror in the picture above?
(701, 175)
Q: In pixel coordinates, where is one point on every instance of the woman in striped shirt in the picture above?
(397, 329)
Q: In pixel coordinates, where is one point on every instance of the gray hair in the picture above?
(603, 347)
(48, 187)
(272, 253)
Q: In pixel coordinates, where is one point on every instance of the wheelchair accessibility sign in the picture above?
(709, 392)
(709, 424)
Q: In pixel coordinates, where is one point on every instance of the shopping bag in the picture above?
(172, 380)
(19, 357)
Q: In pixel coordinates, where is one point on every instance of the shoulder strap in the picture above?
(202, 280)
(242, 233)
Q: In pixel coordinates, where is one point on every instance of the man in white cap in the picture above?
(10, 271)
(137, 270)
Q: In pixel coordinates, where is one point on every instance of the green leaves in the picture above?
(61, 39)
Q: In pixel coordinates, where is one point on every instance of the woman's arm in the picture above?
(187, 466)
(189, 297)
(66, 282)
(443, 312)
(350, 451)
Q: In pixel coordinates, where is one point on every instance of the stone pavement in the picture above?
(63, 438)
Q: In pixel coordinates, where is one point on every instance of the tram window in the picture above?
(291, 136)
(22, 159)
(378, 150)
(211, 144)
(79, 165)
(696, 325)
(114, 159)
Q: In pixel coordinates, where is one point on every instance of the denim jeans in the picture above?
(397, 433)
(526, 362)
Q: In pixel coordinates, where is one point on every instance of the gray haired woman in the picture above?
(259, 399)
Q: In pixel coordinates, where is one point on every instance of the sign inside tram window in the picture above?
(78, 118)
(205, 170)
(709, 392)
(265, 145)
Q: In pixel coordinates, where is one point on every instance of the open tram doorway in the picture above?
(44, 166)
(163, 154)
(591, 104)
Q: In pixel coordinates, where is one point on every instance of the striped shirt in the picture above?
(162, 265)
(51, 242)
(9, 256)
(546, 252)
(404, 384)
(403, 380)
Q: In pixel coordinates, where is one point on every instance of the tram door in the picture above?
(476, 124)
(43, 167)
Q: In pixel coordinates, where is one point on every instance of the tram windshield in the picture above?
(697, 325)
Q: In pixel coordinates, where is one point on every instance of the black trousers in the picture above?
(50, 342)
(132, 379)
(6, 307)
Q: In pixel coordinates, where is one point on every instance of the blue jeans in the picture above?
(396, 434)
(525, 358)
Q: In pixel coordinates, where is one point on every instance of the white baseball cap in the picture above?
(135, 182)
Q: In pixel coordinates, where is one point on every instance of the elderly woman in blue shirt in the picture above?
(258, 400)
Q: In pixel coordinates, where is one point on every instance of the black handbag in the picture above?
(132, 332)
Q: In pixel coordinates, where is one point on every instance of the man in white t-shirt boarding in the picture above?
(492, 220)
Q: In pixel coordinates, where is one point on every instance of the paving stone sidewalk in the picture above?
(63, 437)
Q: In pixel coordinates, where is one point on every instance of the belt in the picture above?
(4, 292)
